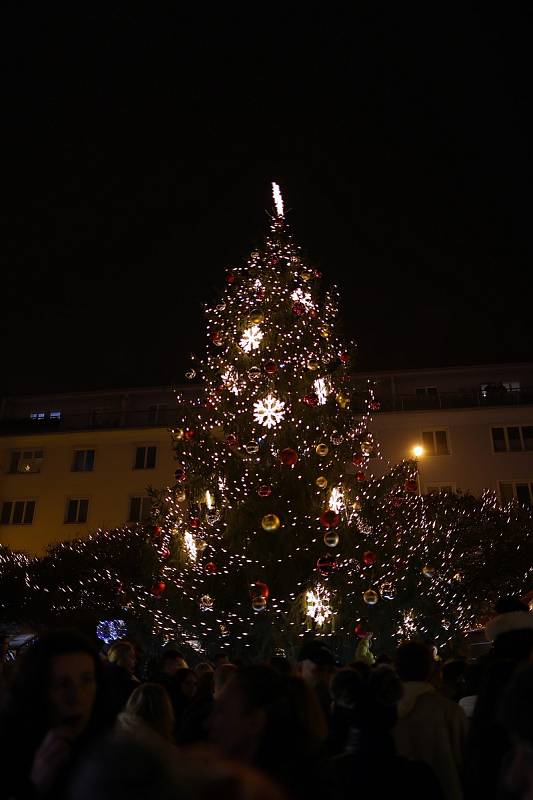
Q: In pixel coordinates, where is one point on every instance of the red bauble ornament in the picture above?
(357, 459)
(396, 502)
(369, 558)
(344, 357)
(165, 552)
(194, 522)
(311, 400)
(231, 440)
(329, 519)
(216, 338)
(230, 277)
(271, 367)
(411, 485)
(298, 309)
(260, 294)
(288, 456)
(359, 476)
(159, 588)
(359, 630)
(188, 434)
(180, 474)
(374, 405)
(325, 565)
(157, 530)
(264, 491)
(313, 313)
(260, 589)
(211, 568)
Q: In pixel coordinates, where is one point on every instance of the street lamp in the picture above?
(418, 452)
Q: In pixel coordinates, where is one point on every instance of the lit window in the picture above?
(26, 461)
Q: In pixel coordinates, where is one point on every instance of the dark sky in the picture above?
(138, 150)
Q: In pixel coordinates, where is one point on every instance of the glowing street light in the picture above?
(418, 451)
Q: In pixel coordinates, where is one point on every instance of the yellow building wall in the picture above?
(108, 487)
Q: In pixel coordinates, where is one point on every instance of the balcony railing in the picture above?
(474, 398)
(92, 420)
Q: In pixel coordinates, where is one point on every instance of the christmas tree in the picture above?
(276, 527)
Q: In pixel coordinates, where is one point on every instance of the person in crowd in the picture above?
(516, 716)
(367, 765)
(184, 691)
(281, 664)
(221, 658)
(316, 665)
(453, 678)
(193, 726)
(341, 716)
(430, 728)
(275, 724)
(52, 714)
(223, 674)
(123, 767)
(472, 681)
(488, 744)
(148, 705)
(120, 674)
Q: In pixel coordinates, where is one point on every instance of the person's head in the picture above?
(151, 704)
(122, 654)
(367, 697)
(187, 682)
(508, 604)
(55, 681)
(223, 674)
(316, 663)
(220, 658)
(414, 661)
(172, 661)
(203, 667)
(281, 664)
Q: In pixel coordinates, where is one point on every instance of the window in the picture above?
(518, 490)
(440, 487)
(512, 439)
(140, 509)
(40, 415)
(26, 461)
(145, 458)
(489, 389)
(17, 512)
(83, 461)
(426, 391)
(76, 510)
(435, 443)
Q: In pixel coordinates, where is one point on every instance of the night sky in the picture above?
(138, 150)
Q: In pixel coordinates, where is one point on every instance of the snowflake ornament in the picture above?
(232, 380)
(298, 296)
(318, 604)
(322, 389)
(269, 411)
(251, 338)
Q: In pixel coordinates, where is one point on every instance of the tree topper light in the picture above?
(278, 200)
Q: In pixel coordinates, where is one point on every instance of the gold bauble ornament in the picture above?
(370, 597)
(178, 433)
(322, 449)
(270, 522)
(321, 482)
(312, 364)
(256, 318)
(356, 505)
(259, 603)
(428, 571)
(306, 276)
(324, 331)
(343, 400)
(181, 496)
(200, 545)
(331, 538)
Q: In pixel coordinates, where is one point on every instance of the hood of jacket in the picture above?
(412, 690)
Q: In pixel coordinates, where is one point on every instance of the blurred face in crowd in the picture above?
(189, 685)
(129, 659)
(234, 728)
(71, 691)
(172, 665)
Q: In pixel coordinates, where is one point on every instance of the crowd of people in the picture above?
(79, 724)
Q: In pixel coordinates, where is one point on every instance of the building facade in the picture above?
(70, 464)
